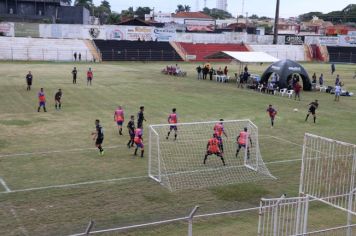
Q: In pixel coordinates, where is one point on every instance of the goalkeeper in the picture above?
(219, 131)
(213, 149)
(242, 142)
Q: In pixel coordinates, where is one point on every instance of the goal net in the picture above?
(178, 164)
(328, 171)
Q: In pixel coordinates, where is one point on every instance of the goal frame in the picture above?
(159, 170)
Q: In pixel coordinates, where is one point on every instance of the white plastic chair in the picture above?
(260, 87)
(290, 93)
(283, 91)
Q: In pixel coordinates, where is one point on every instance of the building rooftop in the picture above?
(194, 15)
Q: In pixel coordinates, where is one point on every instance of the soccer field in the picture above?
(52, 180)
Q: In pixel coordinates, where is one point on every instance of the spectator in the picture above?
(246, 75)
(219, 72)
(199, 71)
(211, 72)
(205, 72)
(245, 68)
(297, 88)
(241, 80)
(321, 80)
(337, 80)
(80, 56)
(75, 56)
(332, 68)
(314, 81)
(337, 92)
(225, 71)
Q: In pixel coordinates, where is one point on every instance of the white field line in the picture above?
(111, 180)
(109, 147)
(3, 183)
(17, 219)
(57, 151)
(75, 184)
(108, 180)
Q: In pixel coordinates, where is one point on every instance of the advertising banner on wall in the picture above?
(27, 30)
(135, 33)
(164, 34)
(294, 40)
(329, 41)
(347, 40)
(7, 29)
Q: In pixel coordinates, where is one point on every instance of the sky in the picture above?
(288, 8)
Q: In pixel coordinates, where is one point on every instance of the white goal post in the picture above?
(178, 164)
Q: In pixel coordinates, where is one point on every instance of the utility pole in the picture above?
(276, 19)
(246, 21)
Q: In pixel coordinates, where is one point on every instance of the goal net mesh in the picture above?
(328, 171)
(178, 164)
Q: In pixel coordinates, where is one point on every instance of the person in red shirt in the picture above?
(173, 120)
(41, 100)
(89, 76)
(139, 141)
(272, 114)
(242, 142)
(212, 148)
(297, 88)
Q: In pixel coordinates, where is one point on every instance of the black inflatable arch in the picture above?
(285, 68)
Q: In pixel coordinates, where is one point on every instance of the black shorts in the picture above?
(312, 111)
(29, 83)
(99, 141)
(89, 78)
(132, 134)
(214, 153)
(57, 100)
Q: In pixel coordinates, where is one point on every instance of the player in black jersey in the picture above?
(312, 108)
(131, 128)
(98, 136)
(57, 99)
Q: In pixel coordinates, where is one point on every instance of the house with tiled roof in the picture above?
(195, 21)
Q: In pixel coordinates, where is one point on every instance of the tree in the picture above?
(141, 11)
(186, 8)
(85, 3)
(217, 13)
(113, 18)
(180, 8)
(253, 16)
(106, 4)
(129, 13)
(308, 16)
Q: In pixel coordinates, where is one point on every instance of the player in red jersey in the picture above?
(272, 114)
(173, 120)
(219, 131)
(212, 148)
(139, 141)
(89, 76)
(119, 118)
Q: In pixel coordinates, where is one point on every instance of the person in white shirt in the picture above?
(337, 92)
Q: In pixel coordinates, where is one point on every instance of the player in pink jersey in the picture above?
(119, 118)
(139, 141)
(219, 131)
(173, 120)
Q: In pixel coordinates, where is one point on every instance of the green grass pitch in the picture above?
(55, 148)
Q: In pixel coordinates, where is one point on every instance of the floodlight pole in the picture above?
(190, 220)
(276, 19)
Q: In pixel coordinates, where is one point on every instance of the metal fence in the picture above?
(140, 55)
(343, 57)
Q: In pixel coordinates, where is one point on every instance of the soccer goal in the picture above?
(328, 171)
(178, 164)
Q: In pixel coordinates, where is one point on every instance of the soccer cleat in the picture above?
(167, 137)
(102, 153)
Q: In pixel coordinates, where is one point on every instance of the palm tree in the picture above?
(67, 2)
(85, 3)
(186, 8)
(180, 8)
(275, 35)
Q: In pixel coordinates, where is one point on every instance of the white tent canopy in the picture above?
(244, 57)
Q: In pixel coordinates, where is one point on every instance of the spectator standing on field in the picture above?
(211, 72)
(332, 68)
(89, 76)
(337, 80)
(80, 56)
(75, 56)
(321, 80)
(297, 88)
(74, 73)
(337, 92)
(29, 78)
(199, 69)
(225, 71)
(205, 72)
